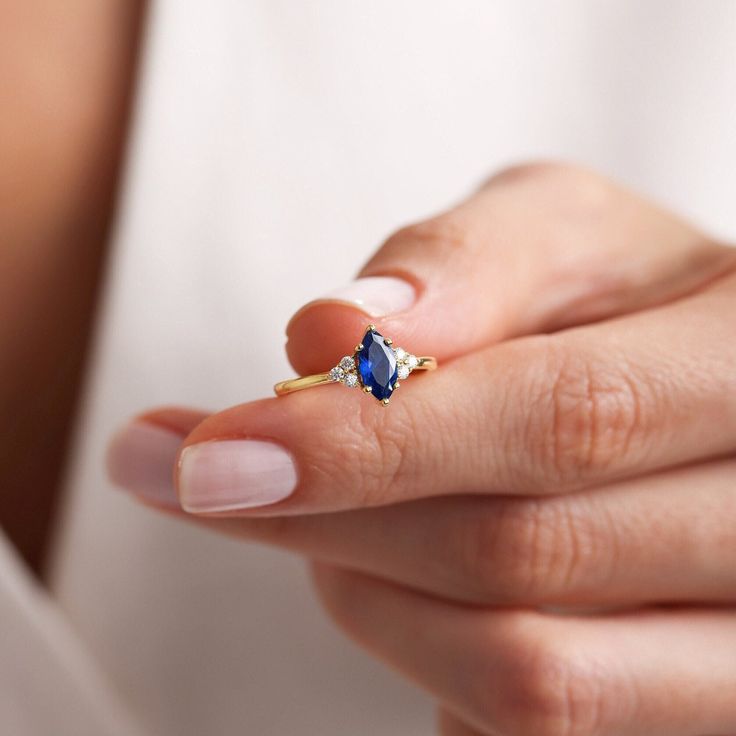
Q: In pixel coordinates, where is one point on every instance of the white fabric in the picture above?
(48, 682)
(275, 144)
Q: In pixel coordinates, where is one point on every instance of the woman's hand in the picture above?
(576, 451)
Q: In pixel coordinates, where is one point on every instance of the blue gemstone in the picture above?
(377, 365)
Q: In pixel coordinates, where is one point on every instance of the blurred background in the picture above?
(176, 179)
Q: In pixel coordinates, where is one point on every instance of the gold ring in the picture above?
(375, 365)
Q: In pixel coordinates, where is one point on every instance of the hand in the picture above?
(574, 452)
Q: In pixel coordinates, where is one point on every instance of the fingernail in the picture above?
(377, 296)
(230, 475)
(140, 459)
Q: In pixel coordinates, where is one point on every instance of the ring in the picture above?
(375, 365)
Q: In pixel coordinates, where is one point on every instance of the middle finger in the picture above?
(664, 538)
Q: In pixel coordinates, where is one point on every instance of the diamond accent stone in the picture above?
(400, 354)
(351, 380)
(403, 371)
(337, 373)
(347, 363)
(412, 362)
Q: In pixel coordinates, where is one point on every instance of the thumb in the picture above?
(540, 247)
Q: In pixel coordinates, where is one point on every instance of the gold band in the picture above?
(426, 363)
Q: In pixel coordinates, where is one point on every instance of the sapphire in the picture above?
(377, 365)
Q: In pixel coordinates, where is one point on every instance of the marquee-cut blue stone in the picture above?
(377, 365)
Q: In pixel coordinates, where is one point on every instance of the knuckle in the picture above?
(584, 417)
(558, 699)
(529, 551)
(577, 191)
(552, 691)
(535, 170)
(507, 550)
(382, 453)
(445, 233)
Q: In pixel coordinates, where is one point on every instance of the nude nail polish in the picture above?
(377, 296)
(231, 475)
(141, 459)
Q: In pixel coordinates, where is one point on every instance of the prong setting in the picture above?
(376, 366)
(376, 362)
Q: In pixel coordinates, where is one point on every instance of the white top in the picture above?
(275, 145)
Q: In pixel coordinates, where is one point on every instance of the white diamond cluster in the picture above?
(405, 363)
(344, 372)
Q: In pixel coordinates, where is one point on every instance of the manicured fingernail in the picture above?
(377, 296)
(229, 475)
(140, 459)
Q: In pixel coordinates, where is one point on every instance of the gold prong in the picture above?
(385, 401)
(388, 341)
(372, 328)
(358, 347)
(396, 385)
(367, 389)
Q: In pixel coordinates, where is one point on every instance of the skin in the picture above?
(574, 453)
(66, 71)
(548, 548)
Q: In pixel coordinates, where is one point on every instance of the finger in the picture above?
(449, 725)
(661, 538)
(668, 673)
(539, 248)
(141, 456)
(667, 538)
(534, 416)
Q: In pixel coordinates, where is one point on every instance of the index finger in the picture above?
(542, 414)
